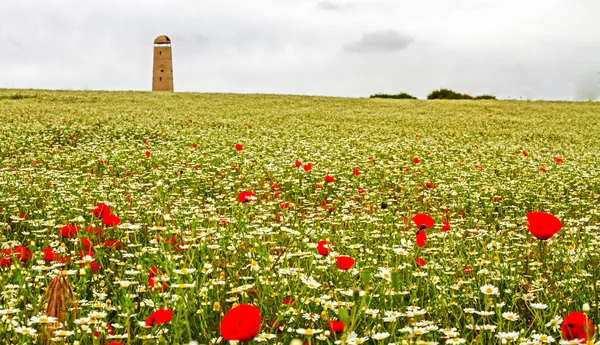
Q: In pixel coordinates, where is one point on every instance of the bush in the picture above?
(449, 94)
(17, 96)
(401, 95)
(485, 97)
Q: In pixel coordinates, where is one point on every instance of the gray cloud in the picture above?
(588, 87)
(388, 41)
(534, 49)
(330, 5)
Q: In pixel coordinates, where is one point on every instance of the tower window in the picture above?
(160, 79)
(162, 70)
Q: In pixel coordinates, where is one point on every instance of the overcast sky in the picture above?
(534, 49)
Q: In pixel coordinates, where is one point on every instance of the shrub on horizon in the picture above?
(401, 95)
(450, 94)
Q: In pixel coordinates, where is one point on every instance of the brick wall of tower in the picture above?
(162, 75)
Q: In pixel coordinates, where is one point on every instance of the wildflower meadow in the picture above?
(174, 218)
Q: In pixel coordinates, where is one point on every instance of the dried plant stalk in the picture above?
(57, 294)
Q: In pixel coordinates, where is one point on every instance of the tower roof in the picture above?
(162, 40)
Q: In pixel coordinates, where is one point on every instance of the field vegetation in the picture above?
(145, 218)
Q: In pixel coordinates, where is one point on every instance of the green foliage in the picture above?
(401, 95)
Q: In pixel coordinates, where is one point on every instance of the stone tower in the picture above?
(162, 73)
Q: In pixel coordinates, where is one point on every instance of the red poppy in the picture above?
(5, 260)
(276, 194)
(558, 160)
(323, 247)
(86, 243)
(543, 169)
(241, 323)
(115, 343)
(289, 300)
(344, 262)
(113, 244)
(318, 186)
(421, 238)
(148, 154)
(152, 272)
(420, 262)
(578, 326)
(355, 172)
(445, 226)
(239, 147)
(525, 154)
(68, 230)
(246, 196)
(279, 327)
(307, 167)
(63, 259)
(93, 231)
(22, 253)
(423, 221)
(48, 254)
(479, 167)
(329, 179)
(279, 218)
(298, 164)
(87, 252)
(100, 210)
(284, 204)
(94, 266)
(416, 160)
(22, 216)
(543, 225)
(174, 243)
(430, 185)
(336, 326)
(159, 316)
(323, 202)
(275, 187)
(360, 190)
(111, 220)
(196, 166)
(194, 145)
(468, 270)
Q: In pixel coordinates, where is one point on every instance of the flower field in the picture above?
(143, 218)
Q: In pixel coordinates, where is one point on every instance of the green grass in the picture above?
(63, 152)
